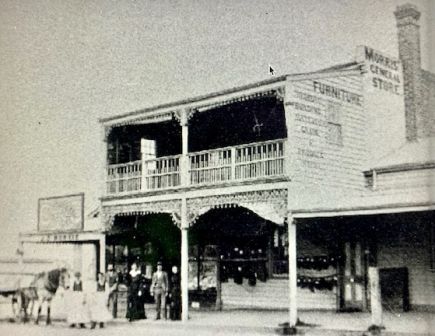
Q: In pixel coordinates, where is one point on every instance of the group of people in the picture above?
(164, 289)
(99, 304)
(90, 307)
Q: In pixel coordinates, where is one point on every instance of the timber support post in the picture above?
(184, 262)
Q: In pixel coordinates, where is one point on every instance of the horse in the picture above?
(44, 287)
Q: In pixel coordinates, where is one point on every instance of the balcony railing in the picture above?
(123, 178)
(236, 163)
(162, 173)
(211, 166)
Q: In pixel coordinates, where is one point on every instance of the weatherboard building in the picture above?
(281, 194)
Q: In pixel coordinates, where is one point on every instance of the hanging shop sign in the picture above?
(61, 213)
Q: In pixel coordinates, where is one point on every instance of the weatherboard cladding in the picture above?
(318, 159)
(408, 246)
(402, 181)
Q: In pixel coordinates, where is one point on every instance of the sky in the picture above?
(66, 63)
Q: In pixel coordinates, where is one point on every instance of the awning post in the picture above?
(292, 271)
(184, 262)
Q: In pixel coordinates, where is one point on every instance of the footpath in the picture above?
(256, 322)
(313, 322)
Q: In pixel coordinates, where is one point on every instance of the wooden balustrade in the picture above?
(123, 178)
(161, 173)
(210, 166)
(245, 162)
(259, 160)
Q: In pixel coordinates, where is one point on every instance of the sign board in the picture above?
(206, 278)
(61, 213)
(384, 72)
(321, 109)
(61, 237)
(383, 87)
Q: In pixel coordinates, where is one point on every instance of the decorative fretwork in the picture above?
(170, 207)
(142, 119)
(266, 203)
(277, 92)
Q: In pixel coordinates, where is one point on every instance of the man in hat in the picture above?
(112, 287)
(159, 289)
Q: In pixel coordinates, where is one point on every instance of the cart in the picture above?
(17, 289)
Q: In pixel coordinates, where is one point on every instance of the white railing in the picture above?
(237, 163)
(161, 173)
(211, 166)
(251, 161)
(258, 160)
(122, 178)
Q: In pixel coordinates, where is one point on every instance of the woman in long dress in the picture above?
(175, 295)
(98, 304)
(77, 310)
(135, 295)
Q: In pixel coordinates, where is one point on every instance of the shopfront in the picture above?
(63, 236)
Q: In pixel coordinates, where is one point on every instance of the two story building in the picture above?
(281, 194)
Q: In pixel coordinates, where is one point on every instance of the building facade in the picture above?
(282, 193)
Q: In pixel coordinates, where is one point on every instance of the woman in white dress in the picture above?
(77, 310)
(98, 304)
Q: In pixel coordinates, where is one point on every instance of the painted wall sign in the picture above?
(385, 72)
(62, 213)
(326, 119)
(337, 93)
(59, 237)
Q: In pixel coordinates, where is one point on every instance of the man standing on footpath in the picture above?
(112, 288)
(159, 289)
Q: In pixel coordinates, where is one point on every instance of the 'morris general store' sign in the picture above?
(385, 71)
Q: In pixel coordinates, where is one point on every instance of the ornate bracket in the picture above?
(106, 132)
(280, 93)
(184, 115)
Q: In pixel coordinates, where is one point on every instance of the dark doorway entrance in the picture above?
(394, 288)
(144, 239)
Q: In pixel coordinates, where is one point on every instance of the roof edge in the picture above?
(401, 167)
(364, 210)
(343, 68)
(195, 99)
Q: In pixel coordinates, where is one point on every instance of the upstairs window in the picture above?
(334, 134)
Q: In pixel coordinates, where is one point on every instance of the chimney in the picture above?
(407, 17)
